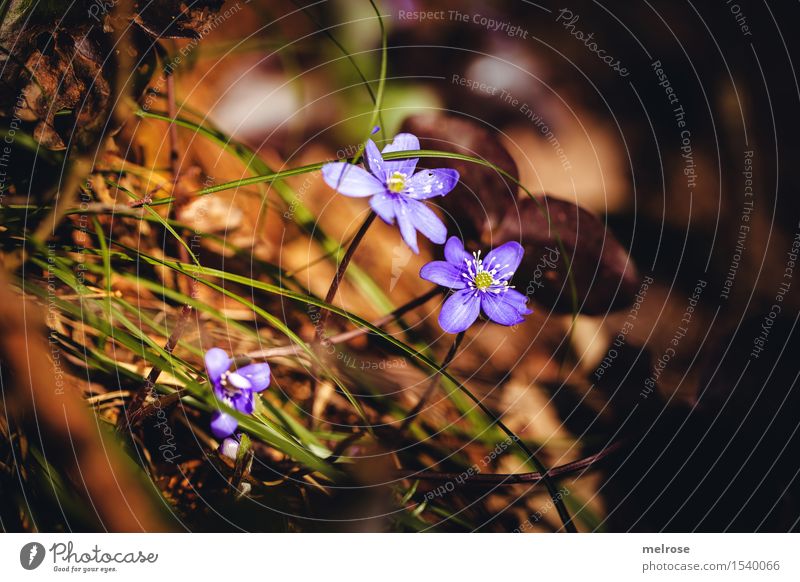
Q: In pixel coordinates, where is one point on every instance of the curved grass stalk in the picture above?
(409, 351)
(349, 56)
(178, 297)
(434, 382)
(161, 220)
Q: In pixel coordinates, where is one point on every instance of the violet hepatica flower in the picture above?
(395, 191)
(237, 388)
(480, 284)
(230, 448)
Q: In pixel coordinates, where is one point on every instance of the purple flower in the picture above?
(394, 189)
(236, 388)
(479, 283)
(229, 448)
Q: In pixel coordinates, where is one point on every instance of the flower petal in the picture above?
(219, 391)
(217, 363)
(460, 311)
(505, 259)
(244, 402)
(238, 381)
(407, 230)
(351, 180)
(504, 308)
(518, 299)
(222, 424)
(383, 205)
(454, 251)
(375, 161)
(257, 374)
(429, 183)
(402, 142)
(425, 220)
(444, 274)
(229, 448)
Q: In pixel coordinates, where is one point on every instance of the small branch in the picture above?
(451, 353)
(133, 413)
(172, 129)
(340, 271)
(353, 333)
(532, 478)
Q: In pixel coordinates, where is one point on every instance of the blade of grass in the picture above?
(222, 275)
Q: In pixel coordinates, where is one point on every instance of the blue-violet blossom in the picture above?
(236, 388)
(394, 189)
(481, 284)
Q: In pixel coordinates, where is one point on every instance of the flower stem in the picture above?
(340, 271)
(451, 353)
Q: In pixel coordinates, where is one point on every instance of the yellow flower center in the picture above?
(483, 280)
(396, 182)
